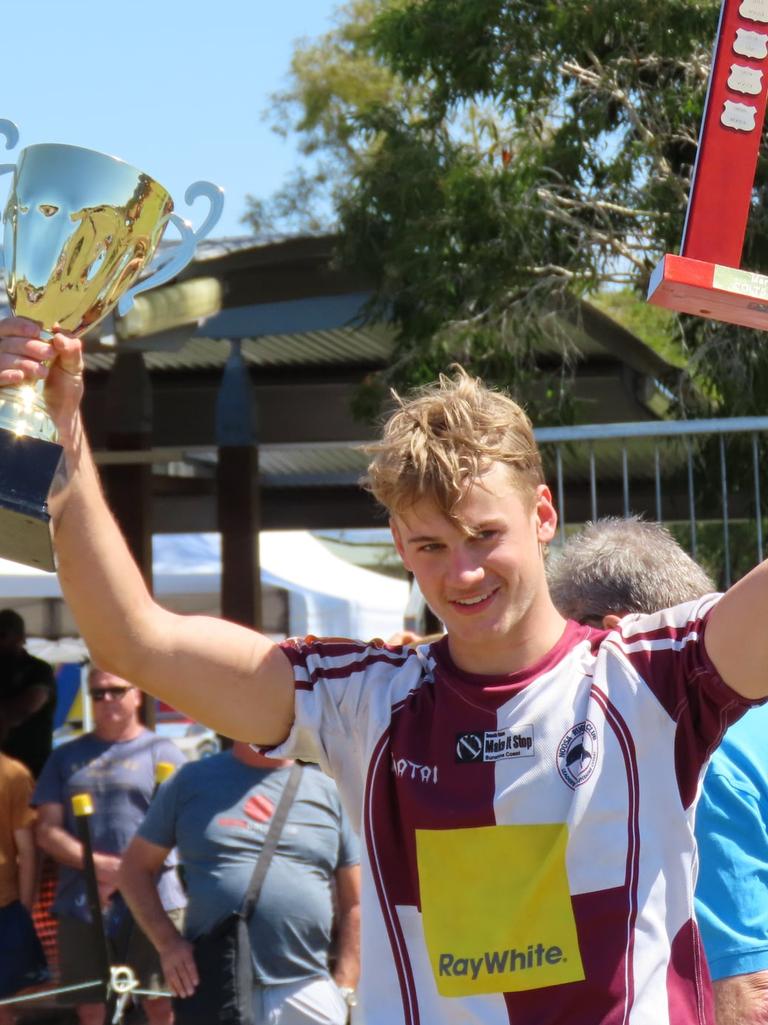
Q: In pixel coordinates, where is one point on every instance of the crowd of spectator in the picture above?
(168, 860)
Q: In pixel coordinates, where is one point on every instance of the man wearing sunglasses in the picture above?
(115, 764)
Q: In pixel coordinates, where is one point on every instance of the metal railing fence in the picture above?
(703, 478)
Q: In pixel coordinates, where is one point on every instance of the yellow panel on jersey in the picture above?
(496, 908)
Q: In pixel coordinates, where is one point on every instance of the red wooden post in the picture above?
(705, 279)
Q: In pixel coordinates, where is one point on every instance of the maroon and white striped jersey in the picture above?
(528, 839)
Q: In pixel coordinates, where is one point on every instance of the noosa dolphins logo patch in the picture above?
(577, 754)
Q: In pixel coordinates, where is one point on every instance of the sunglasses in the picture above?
(113, 692)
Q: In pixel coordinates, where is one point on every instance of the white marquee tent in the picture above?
(326, 595)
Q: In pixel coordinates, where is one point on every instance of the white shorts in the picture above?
(308, 1002)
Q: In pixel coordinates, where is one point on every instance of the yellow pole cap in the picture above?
(82, 805)
(163, 770)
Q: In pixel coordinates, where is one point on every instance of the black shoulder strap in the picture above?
(271, 841)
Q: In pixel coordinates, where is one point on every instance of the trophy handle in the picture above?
(11, 134)
(215, 196)
(189, 239)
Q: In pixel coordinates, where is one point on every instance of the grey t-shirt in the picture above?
(217, 812)
(120, 777)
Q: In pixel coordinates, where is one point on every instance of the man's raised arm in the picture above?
(736, 636)
(226, 676)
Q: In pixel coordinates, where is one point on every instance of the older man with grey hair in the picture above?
(614, 567)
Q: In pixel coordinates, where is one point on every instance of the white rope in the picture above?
(42, 994)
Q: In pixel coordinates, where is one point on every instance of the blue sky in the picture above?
(175, 89)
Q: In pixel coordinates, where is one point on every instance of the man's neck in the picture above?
(530, 641)
(116, 735)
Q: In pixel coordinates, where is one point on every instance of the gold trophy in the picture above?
(80, 228)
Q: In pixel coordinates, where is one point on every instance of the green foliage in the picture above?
(332, 81)
(487, 160)
(657, 327)
(598, 104)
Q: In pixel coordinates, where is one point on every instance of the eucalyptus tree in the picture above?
(489, 161)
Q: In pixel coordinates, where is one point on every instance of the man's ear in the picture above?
(611, 621)
(546, 515)
(398, 539)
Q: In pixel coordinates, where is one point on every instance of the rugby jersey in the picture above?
(528, 839)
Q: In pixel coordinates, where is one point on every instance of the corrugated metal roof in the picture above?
(312, 466)
(359, 345)
(343, 464)
(298, 466)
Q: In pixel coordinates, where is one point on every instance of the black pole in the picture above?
(82, 806)
(163, 771)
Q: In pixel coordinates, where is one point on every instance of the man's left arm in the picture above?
(346, 971)
(736, 637)
(27, 864)
(141, 865)
(742, 999)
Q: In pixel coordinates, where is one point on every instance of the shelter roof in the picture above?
(299, 321)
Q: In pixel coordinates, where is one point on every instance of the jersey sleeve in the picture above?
(167, 751)
(668, 650)
(343, 695)
(732, 891)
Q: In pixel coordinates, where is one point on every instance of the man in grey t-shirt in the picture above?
(217, 812)
(115, 764)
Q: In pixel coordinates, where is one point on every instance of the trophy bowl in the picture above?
(80, 230)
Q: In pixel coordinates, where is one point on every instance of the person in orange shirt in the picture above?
(22, 962)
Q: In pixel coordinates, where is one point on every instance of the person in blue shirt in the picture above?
(732, 892)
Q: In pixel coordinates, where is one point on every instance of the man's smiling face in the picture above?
(482, 576)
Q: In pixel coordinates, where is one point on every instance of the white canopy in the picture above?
(327, 596)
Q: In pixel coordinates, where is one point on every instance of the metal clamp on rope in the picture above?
(122, 982)
(122, 979)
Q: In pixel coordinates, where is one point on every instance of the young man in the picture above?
(614, 567)
(524, 787)
(115, 764)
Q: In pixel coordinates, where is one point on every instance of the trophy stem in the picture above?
(23, 413)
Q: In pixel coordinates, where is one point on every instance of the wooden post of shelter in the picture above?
(128, 485)
(238, 506)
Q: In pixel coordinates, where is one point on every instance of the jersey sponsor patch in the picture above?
(494, 745)
(577, 754)
(483, 937)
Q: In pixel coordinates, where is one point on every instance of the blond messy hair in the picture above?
(443, 438)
